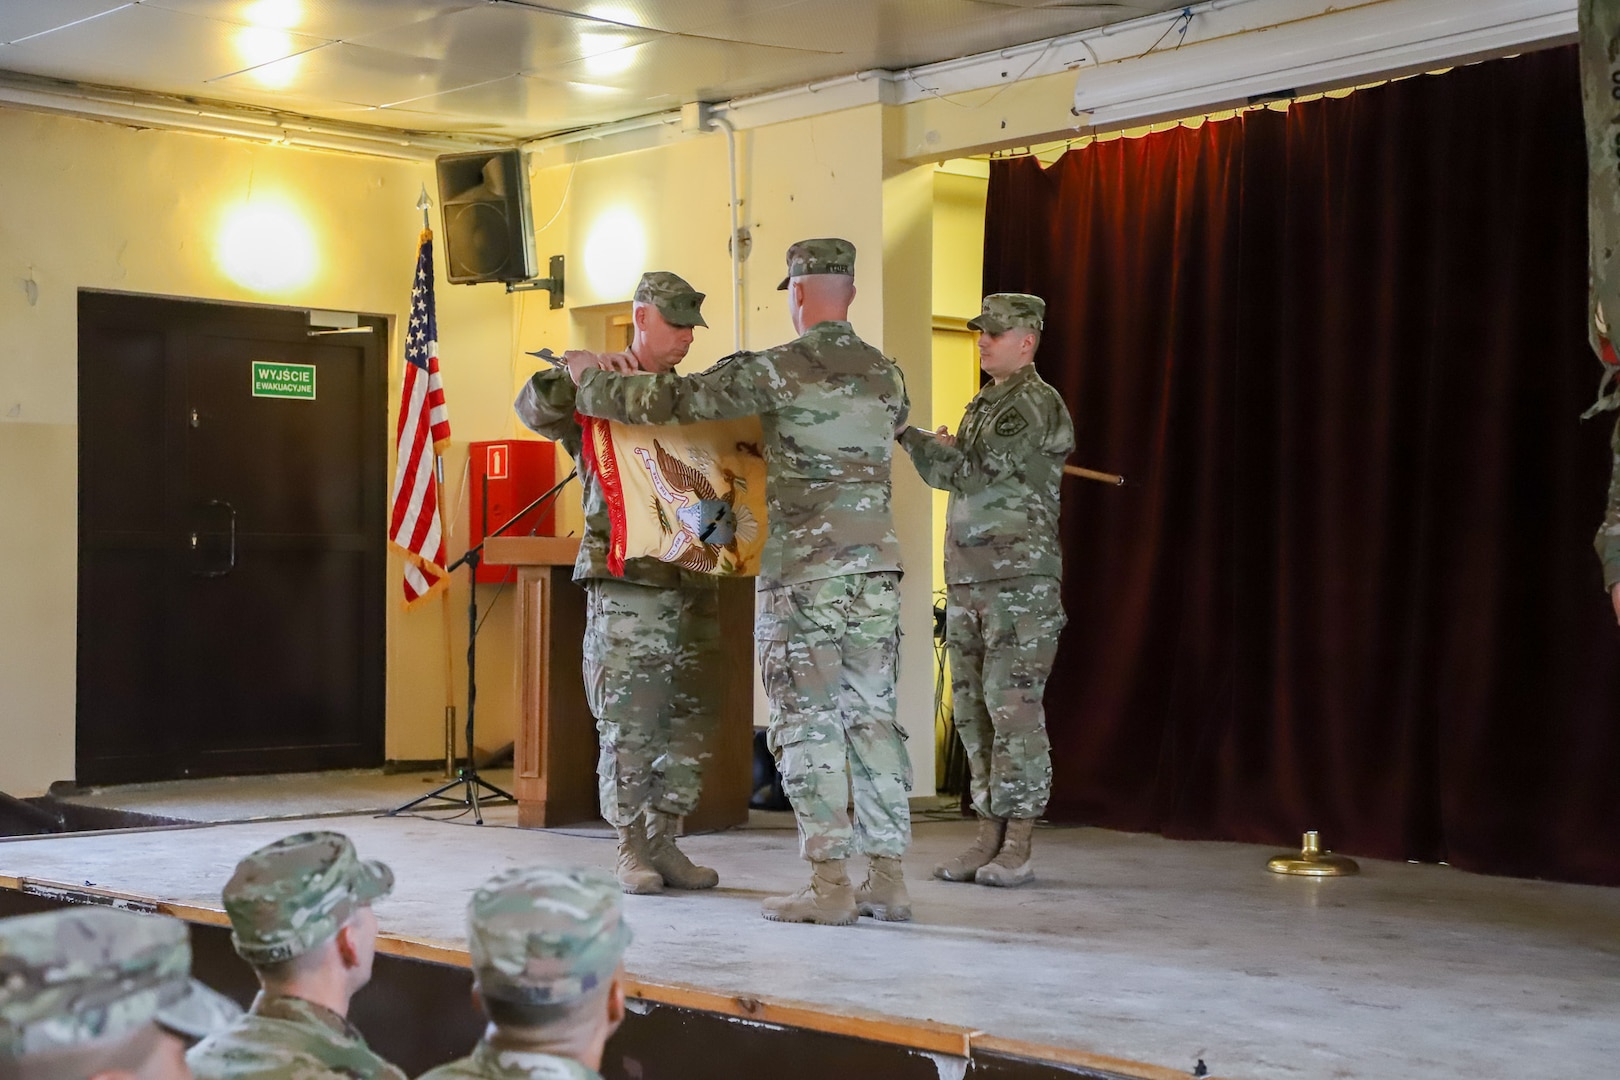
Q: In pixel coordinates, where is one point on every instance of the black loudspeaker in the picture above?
(488, 233)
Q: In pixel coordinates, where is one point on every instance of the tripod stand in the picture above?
(467, 776)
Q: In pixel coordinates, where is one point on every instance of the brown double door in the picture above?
(231, 546)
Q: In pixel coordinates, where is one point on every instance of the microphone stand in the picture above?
(467, 776)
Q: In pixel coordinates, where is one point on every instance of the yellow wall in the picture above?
(959, 196)
(97, 206)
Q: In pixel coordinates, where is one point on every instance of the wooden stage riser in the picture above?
(418, 1012)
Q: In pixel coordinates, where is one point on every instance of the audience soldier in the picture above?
(1003, 575)
(92, 993)
(649, 635)
(827, 626)
(546, 946)
(300, 912)
(1607, 540)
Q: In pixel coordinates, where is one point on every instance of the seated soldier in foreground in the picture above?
(546, 945)
(300, 912)
(95, 993)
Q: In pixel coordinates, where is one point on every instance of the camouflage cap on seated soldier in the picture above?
(295, 894)
(82, 977)
(828, 255)
(546, 935)
(676, 301)
(1003, 311)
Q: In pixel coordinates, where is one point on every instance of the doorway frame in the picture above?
(369, 750)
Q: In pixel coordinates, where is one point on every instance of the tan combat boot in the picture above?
(828, 899)
(985, 846)
(1012, 864)
(671, 862)
(883, 895)
(634, 873)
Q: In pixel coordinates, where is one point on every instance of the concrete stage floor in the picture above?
(1130, 946)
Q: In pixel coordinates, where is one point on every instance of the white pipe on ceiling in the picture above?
(219, 118)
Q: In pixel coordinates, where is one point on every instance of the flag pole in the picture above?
(425, 204)
(449, 649)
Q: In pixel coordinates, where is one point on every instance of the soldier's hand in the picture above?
(578, 360)
(1614, 598)
(621, 362)
(945, 435)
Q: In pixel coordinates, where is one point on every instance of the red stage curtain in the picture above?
(1340, 354)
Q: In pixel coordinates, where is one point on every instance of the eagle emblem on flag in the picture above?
(692, 495)
(707, 526)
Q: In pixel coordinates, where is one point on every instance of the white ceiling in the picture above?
(508, 68)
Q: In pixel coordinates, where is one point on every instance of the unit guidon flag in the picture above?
(692, 495)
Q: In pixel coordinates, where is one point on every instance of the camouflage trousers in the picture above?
(829, 651)
(1000, 637)
(647, 651)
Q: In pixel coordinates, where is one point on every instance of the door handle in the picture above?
(230, 562)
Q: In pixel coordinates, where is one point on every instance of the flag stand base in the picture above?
(467, 777)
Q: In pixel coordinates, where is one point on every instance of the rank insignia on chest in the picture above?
(1010, 422)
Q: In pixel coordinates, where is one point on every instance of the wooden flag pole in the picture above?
(449, 651)
(1092, 474)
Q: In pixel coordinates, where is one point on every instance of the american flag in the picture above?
(424, 429)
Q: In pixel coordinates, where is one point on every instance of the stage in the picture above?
(1132, 955)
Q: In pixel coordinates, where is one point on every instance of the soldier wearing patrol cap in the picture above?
(648, 635)
(828, 621)
(546, 945)
(92, 992)
(300, 912)
(1003, 578)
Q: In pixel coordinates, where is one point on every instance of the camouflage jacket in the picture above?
(1607, 541)
(488, 1063)
(828, 404)
(1004, 475)
(288, 1038)
(546, 406)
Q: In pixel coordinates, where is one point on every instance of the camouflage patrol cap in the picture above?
(81, 975)
(829, 255)
(1002, 311)
(675, 300)
(290, 896)
(545, 935)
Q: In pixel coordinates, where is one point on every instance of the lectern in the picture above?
(555, 752)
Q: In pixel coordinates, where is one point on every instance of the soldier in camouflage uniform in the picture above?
(828, 620)
(300, 912)
(1600, 91)
(91, 992)
(1003, 575)
(1607, 541)
(649, 635)
(546, 945)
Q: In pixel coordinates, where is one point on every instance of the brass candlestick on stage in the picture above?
(1313, 861)
(1092, 474)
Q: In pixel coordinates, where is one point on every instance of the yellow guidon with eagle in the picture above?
(692, 495)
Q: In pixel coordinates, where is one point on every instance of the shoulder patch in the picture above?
(1010, 421)
(731, 358)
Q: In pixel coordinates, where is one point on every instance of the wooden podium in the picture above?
(556, 749)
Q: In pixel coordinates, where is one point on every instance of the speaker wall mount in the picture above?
(552, 284)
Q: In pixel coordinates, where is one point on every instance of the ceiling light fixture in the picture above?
(612, 13)
(271, 57)
(275, 14)
(613, 59)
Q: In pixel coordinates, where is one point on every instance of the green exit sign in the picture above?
(283, 380)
